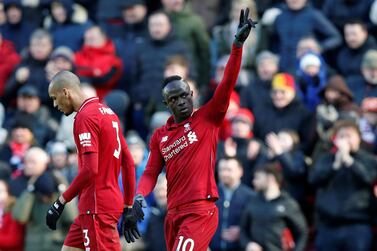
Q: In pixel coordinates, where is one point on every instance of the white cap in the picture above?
(309, 60)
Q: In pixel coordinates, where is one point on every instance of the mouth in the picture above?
(183, 110)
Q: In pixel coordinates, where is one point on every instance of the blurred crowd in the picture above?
(296, 162)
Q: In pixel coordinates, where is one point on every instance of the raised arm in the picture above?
(218, 105)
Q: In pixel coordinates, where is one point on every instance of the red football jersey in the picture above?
(97, 130)
(188, 149)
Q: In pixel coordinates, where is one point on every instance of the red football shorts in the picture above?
(94, 232)
(191, 227)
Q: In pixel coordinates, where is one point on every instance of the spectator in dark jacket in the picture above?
(298, 20)
(365, 86)
(9, 58)
(16, 29)
(344, 178)
(31, 70)
(285, 112)
(358, 42)
(151, 56)
(272, 220)
(233, 197)
(341, 11)
(368, 123)
(64, 29)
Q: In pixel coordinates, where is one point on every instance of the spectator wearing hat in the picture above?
(242, 145)
(365, 86)
(16, 29)
(9, 58)
(272, 220)
(29, 107)
(311, 79)
(59, 162)
(62, 58)
(97, 61)
(256, 95)
(337, 103)
(233, 197)
(31, 70)
(285, 112)
(358, 42)
(344, 179)
(368, 123)
(21, 138)
(67, 24)
(36, 189)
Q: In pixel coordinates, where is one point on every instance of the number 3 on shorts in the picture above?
(183, 243)
(86, 239)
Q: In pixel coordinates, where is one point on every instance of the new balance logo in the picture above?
(85, 139)
(192, 137)
(164, 139)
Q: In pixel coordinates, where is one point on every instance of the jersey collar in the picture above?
(87, 101)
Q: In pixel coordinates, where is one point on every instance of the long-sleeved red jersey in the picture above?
(188, 149)
(102, 151)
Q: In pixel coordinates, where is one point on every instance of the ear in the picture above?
(165, 103)
(65, 92)
(192, 93)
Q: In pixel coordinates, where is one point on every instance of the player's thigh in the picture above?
(67, 248)
(196, 230)
(100, 232)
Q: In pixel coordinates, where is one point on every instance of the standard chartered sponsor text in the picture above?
(174, 148)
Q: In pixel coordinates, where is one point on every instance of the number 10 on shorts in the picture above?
(183, 243)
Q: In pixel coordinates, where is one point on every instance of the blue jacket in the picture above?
(290, 26)
(230, 216)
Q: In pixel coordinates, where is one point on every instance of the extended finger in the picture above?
(252, 23)
(135, 233)
(241, 16)
(246, 17)
(127, 236)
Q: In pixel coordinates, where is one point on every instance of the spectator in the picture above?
(297, 20)
(344, 179)
(21, 138)
(154, 236)
(190, 28)
(61, 59)
(119, 102)
(358, 42)
(12, 233)
(16, 28)
(9, 58)
(151, 56)
(256, 95)
(337, 104)
(29, 106)
(341, 11)
(59, 161)
(65, 29)
(272, 220)
(3, 131)
(36, 189)
(139, 152)
(233, 197)
(177, 65)
(365, 86)
(307, 44)
(311, 79)
(97, 62)
(31, 70)
(223, 35)
(285, 112)
(283, 148)
(368, 123)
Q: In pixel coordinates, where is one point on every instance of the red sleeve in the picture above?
(128, 174)
(88, 130)
(216, 108)
(14, 234)
(84, 177)
(154, 167)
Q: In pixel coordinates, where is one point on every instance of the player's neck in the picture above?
(78, 101)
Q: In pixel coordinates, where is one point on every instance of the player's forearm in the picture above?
(147, 182)
(84, 178)
(128, 176)
(224, 89)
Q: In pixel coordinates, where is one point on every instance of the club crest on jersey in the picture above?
(164, 139)
(192, 137)
(85, 139)
(187, 127)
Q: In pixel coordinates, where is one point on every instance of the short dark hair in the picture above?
(226, 157)
(272, 168)
(171, 79)
(357, 22)
(177, 59)
(346, 123)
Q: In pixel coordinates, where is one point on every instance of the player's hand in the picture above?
(54, 213)
(244, 26)
(129, 227)
(139, 204)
